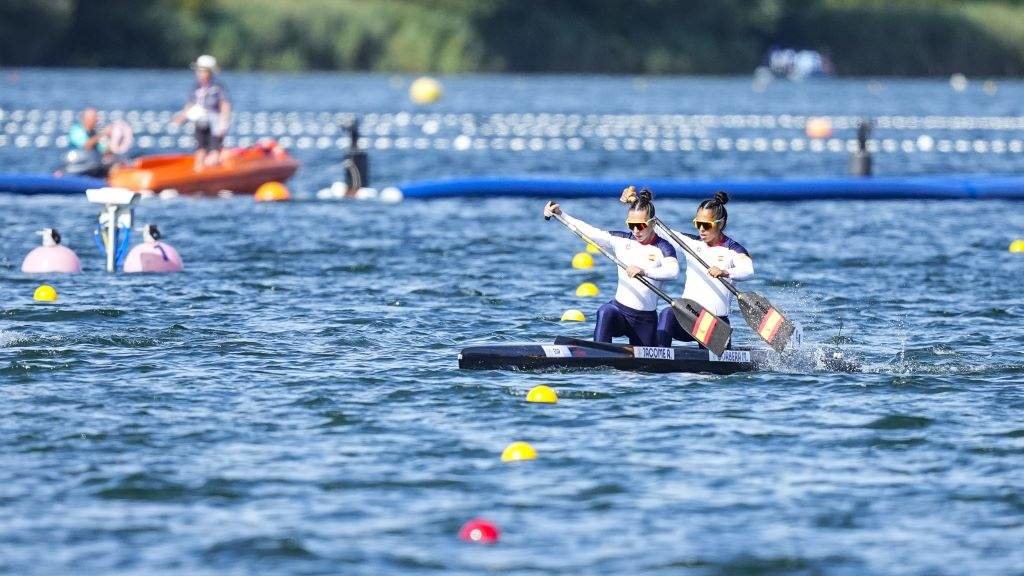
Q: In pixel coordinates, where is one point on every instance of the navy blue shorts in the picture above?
(614, 319)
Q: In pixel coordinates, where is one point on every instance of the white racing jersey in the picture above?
(700, 286)
(657, 260)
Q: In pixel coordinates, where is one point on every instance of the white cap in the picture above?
(205, 61)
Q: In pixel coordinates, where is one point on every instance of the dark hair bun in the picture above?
(721, 197)
(645, 195)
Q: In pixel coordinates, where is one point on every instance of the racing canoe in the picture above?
(574, 354)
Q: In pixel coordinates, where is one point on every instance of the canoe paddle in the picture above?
(697, 321)
(765, 320)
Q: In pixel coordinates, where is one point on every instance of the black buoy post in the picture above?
(356, 163)
(860, 162)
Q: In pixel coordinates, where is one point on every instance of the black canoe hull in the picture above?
(563, 356)
(573, 354)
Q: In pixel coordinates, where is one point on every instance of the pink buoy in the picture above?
(152, 255)
(51, 257)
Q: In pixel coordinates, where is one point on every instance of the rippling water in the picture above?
(292, 404)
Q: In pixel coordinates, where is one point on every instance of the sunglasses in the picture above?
(638, 226)
(702, 225)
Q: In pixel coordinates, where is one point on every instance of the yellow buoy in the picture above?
(1017, 246)
(272, 192)
(592, 248)
(587, 290)
(582, 261)
(573, 316)
(45, 293)
(542, 395)
(425, 90)
(518, 451)
(818, 128)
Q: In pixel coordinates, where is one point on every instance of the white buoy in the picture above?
(391, 195)
(958, 82)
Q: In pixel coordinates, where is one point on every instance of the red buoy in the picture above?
(480, 531)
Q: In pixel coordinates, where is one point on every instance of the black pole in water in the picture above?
(356, 163)
(860, 162)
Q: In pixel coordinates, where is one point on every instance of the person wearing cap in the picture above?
(209, 109)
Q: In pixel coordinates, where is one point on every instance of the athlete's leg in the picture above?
(669, 329)
(610, 323)
(645, 327)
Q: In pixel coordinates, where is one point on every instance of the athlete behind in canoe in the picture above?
(209, 109)
(727, 257)
(633, 312)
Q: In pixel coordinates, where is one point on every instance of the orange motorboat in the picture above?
(241, 170)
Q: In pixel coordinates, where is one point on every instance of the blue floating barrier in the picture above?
(35, 184)
(836, 188)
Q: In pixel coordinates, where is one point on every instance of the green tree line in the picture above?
(863, 37)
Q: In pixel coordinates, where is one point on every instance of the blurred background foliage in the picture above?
(862, 37)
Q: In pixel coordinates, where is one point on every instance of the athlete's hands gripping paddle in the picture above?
(697, 321)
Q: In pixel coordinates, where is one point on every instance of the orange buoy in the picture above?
(272, 192)
(818, 128)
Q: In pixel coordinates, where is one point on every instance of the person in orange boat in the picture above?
(209, 109)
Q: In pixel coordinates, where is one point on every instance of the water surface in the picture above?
(292, 404)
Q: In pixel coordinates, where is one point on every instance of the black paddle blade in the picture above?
(702, 325)
(765, 320)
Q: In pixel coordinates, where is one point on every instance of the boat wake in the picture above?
(814, 358)
(936, 360)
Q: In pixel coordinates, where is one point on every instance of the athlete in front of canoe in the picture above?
(728, 259)
(633, 312)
